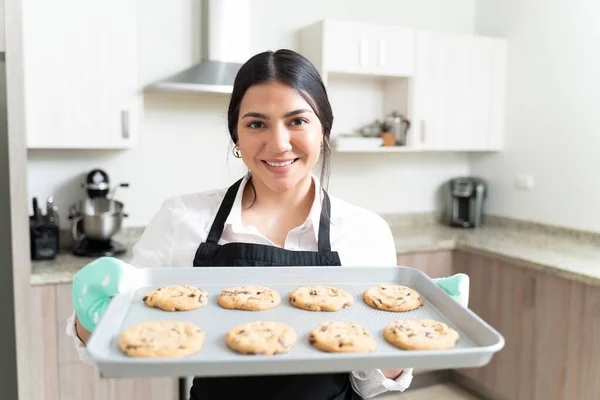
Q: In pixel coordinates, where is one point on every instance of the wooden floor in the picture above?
(445, 391)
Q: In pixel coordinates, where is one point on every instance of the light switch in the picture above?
(524, 182)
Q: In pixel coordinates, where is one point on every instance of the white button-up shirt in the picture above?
(361, 238)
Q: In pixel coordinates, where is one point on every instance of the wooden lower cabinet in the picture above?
(58, 373)
(435, 264)
(551, 328)
(83, 382)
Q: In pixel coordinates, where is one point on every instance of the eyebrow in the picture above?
(287, 115)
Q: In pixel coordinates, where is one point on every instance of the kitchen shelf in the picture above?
(402, 149)
(386, 149)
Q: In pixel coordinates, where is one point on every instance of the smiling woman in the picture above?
(279, 113)
(279, 214)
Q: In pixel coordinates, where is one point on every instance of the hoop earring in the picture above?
(236, 152)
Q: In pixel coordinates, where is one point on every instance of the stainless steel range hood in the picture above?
(225, 47)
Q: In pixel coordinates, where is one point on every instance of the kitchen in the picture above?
(533, 263)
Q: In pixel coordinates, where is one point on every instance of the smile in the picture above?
(281, 163)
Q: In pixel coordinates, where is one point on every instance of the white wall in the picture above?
(184, 137)
(553, 97)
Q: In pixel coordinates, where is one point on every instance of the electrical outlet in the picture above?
(524, 182)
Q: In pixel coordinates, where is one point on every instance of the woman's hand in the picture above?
(392, 373)
(93, 287)
(456, 286)
(82, 333)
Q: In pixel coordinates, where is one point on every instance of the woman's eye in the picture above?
(298, 121)
(255, 124)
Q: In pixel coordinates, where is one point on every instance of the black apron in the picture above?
(281, 387)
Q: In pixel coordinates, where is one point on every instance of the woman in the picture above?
(279, 119)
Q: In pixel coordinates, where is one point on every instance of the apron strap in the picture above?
(216, 230)
(324, 242)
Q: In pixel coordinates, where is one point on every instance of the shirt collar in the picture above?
(234, 220)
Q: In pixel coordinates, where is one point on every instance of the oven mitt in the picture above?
(95, 284)
(457, 286)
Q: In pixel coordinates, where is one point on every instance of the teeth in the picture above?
(279, 164)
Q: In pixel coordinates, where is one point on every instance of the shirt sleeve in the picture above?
(369, 384)
(382, 252)
(154, 249)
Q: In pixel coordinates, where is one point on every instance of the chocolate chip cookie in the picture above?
(425, 334)
(161, 339)
(342, 337)
(261, 337)
(176, 298)
(320, 298)
(392, 298)
(249, 298)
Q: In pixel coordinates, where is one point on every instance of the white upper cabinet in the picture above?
(458, 92)
(81, 74)
(450, 86)
(360, 48)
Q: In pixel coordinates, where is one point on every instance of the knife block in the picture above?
(44, 240)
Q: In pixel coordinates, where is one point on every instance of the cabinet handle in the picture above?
(125, 124)
(530, 292)
(363, 52)
(381, 59)
(422, 131)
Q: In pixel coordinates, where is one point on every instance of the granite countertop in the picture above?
(569, 254)
(567, 257)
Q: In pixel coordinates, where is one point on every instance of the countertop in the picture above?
(569, 254)
(567, 257)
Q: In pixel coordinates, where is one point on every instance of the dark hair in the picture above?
(294, 70)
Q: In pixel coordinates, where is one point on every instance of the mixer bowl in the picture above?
(99, 219)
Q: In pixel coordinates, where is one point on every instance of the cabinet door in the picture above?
(504, 296)
(361, 48)
(43, 366)
(395, 51)
(348, 47)
(583, 343)
(81, 74)
(435, 264)
(455, 83)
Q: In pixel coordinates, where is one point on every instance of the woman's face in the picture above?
(279, 135)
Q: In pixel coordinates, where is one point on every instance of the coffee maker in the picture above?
(464, 198)
(95, 219)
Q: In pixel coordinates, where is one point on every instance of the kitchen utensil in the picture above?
(44, 236)
(398, 126)
(388, 139)
(372, 130)
(37, 212)
(478, 340)
(464, 198)
(52, 217)
(96, 218)
(98, 185)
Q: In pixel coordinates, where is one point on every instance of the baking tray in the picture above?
(477, 344)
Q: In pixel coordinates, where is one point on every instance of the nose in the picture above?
(279, 139)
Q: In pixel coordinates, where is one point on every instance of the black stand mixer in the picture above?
(97, 218)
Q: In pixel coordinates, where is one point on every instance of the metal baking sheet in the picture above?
(478, 340)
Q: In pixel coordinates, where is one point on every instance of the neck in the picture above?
(298, 198)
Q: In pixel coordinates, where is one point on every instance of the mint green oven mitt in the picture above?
(95, 284)
(457, 286)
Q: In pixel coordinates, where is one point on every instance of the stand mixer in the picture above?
(97, 218)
